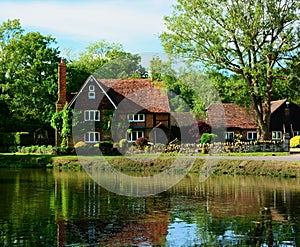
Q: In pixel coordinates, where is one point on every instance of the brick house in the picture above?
(134, 107)
(285, 118)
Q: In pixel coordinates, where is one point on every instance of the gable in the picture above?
(90, 87)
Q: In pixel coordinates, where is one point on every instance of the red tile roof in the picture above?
(230, 115)
(141, 92)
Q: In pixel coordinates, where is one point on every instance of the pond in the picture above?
(63, 208)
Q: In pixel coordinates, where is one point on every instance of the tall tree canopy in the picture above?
(104, 60)
(257, 40)
(189, 88)
(28, 78)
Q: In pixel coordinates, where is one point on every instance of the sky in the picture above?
(136, 24)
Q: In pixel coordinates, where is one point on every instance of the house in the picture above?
(234, 119)
(133, 108)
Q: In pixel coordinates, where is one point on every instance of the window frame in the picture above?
(296, 133)
(93, 113)
(251, 132)
(226, 133)
(276, 132)
(94, 134)
(140, 118)
(130, 135)
(92, 93)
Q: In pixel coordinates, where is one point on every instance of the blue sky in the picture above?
(134, 23)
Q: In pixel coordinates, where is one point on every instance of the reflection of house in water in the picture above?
(103, 218)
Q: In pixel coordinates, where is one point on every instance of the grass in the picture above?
(257, 154)
(151, 164)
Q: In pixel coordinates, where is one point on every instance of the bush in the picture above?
(123, 145)
(106, 147)
(295, 142)
(80, 144)
(206, 138)
(15, 139)
(34, 149)
(198, 129)
(141, 143)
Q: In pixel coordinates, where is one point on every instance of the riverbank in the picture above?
(278, 166)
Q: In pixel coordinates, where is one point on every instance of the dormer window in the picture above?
(92, 94)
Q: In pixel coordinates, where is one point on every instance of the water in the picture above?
(58, 208)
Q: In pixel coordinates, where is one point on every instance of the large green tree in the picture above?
(254, 39)
(104, 60)
(28, 78)
(189, 89)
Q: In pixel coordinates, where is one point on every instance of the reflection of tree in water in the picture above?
(227, 210)
(263, 227)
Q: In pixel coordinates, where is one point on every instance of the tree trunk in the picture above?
(263, 118)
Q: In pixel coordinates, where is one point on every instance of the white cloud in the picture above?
(123, 21)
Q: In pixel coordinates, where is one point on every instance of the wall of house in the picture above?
(285, 116)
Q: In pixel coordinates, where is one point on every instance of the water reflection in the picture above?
(57, 208)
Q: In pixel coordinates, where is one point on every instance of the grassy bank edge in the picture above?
(152, 165)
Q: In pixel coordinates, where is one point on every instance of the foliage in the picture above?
(35, 149)
(141, 143)
(106, 147)
(206, 138)
(188, 88)
(123, 144)
(126, 66)
(256, 40)
(231, 88)
(28, 75)
(80, 144)
(295, 142)
(14, 139)
(198, 129)
(104, 60)
(62, 122)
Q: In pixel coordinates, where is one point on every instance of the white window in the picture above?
(136, 117)
(134, 135)
(91, 115)
(296, 133)
(92, 94)
(91, 137)
(229, 135)
(276, 135)
(251, 135)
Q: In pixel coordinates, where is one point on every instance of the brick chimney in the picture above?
(62, 95)
(62, 86)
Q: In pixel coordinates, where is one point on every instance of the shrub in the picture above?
(295, 142)
(15, 139)
(80, 144)
(141, 143)
(106, 147)
(34, 149)
(206, 138)
(123, 145)
(198, 129)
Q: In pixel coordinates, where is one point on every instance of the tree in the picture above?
(191, 90)
(28, 77)
(104, 60)
(253, 39)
